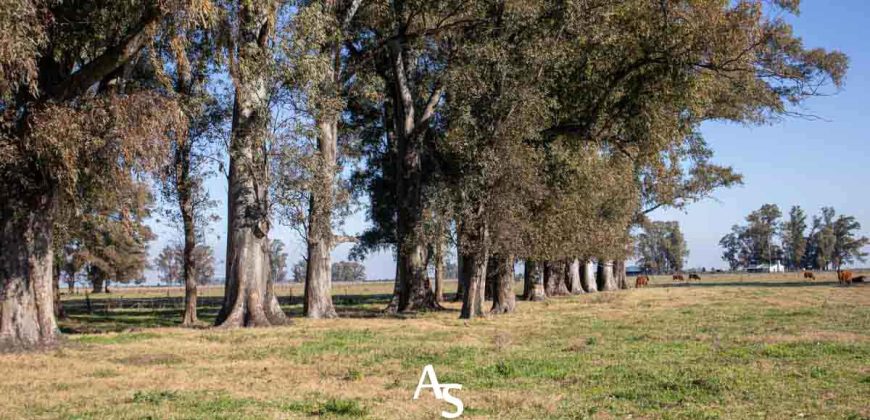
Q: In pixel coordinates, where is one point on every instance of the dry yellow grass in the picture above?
(759, 347)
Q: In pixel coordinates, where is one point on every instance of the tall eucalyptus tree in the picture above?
(77, 128)
(248, 296)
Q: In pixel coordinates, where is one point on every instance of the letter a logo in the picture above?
(442, 392)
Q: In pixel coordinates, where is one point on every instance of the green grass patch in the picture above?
(116, 338)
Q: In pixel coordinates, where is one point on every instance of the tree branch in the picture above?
(109, 61)
(344, 239)
(429, 110)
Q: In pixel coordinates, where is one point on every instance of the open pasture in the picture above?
(753, 346)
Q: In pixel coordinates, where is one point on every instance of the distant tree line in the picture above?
(170, 264)
(342, 271)
(828, 241)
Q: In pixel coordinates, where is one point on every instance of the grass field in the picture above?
(738, 347)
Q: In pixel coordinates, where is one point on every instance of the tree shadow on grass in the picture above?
(118, 314)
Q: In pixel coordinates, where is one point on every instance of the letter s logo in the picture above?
(445, 394)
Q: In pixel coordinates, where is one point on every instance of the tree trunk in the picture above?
(397, 284)
(573, 277)
(533, 282)
(185, 202)
(503, 298)
(97, 280)
(491, 274)
(606, 281)
(528, 285)
(409, 130)
(26, 264)
(439, 269)
(415, 292)
(461, 281)
(619, 274)
(247, 298)
(588, 279)
(554, 279)
(474, 262)
(318, 279)
(474, 273)
(55, 287)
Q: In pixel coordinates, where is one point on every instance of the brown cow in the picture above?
(809, 275)
(694, 276)
(678, 277)
(641, 281)
(844, 277)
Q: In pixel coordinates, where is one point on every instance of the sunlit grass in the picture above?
(729, 347)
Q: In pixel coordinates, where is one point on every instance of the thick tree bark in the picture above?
(26, 275)
(573, 278)
(474, 274)
(588, 277)
(533, 282)
(318, 280)
(247, 297)
(503, 298)
(554, 279)
(619, 274)
(606, 280)
(474, 262)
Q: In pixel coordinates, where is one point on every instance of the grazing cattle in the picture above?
(694, 276)
(641, 281)
(844, 277)
(859, 279)
(678, 277)
(809, 275)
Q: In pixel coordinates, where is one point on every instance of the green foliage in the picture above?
(278, 261)
(300, 271)
(794, 240)
(661, 247)
(170, 264)
(832, 241)
(754, 243)
(348, 271)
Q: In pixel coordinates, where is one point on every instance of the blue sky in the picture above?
(813, 164)
(796, 161)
